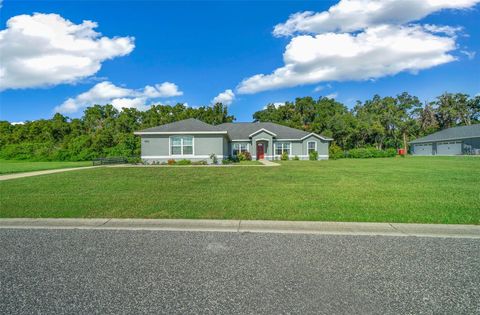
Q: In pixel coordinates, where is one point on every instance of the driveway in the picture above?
(127, 271)
(44, 172)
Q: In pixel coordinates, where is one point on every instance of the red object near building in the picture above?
(401, 151)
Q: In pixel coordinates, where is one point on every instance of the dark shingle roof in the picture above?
(236, 131)
(187, 125)
(242, 131)
(454, 133)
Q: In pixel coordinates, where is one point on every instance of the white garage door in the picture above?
(449, 148)
(423, 149)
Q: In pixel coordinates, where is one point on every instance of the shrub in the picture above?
(284, 156)
(247, 155)
(391, 153)
(134, 160)
(214, 158)
(184, 162)
(234, 159)
(241, 157)
(227, 161)
(171, 162)
(366, 153)
(335, 152)
(313, 156)
(296, 158)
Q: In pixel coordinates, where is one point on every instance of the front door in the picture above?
(260, 151)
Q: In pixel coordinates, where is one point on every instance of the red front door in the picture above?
(260, 151)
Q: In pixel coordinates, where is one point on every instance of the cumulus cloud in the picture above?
(360, 40)
(108, 93)
(376, 52)
(166, 89)
(354, 15)
(226, 97)
(46, 49)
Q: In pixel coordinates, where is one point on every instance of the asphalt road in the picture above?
(131, 272)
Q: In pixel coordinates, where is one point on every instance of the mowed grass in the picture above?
(415, 189)
(12, 166)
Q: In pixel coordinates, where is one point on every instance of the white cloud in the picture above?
(108, 93)
(361, 40)
(166, 89)
(332, 96)
(322, 87)
(17, 122)
(470, 54)
(46, 49)
(226, 97)
(376, 52)
(445, 29)
(354, 15)
(276, 105)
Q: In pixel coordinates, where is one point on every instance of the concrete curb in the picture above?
(253, 226)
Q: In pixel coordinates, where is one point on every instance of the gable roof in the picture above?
(244, 130)
(463, 132)
(235, 131)
(190, 125)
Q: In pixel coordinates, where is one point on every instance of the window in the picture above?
(312, 146)
(181, 145)
(281, 147)
(239, 148)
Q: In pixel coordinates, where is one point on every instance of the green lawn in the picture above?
(419, 189)
(11, 166)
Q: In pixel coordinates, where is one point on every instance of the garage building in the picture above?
(464, 140)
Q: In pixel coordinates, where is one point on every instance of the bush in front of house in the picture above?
(227, 161)
(244, 156)
(184, 162)
(284, 156)
(335, 152)
(296, 158)
(313, 156)
(233, 159)
(171, 162)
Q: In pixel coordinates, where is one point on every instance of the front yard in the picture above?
(415, 189)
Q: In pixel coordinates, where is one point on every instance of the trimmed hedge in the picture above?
(367, 153)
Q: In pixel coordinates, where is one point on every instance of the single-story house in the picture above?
(195, 140)
(464, 140)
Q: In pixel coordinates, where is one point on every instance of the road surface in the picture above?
(110, 271)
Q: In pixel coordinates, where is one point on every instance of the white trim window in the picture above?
(238, 148)
(311, 148)
(181, 145)
(281, 147)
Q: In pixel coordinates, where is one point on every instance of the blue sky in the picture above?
(206, 48)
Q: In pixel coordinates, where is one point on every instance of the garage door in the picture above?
(449, 148)
(422, 149)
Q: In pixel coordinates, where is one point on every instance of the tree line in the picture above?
(381, 122)
(102, 131)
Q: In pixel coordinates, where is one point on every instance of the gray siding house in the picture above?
(464, 140)
(195, 140)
